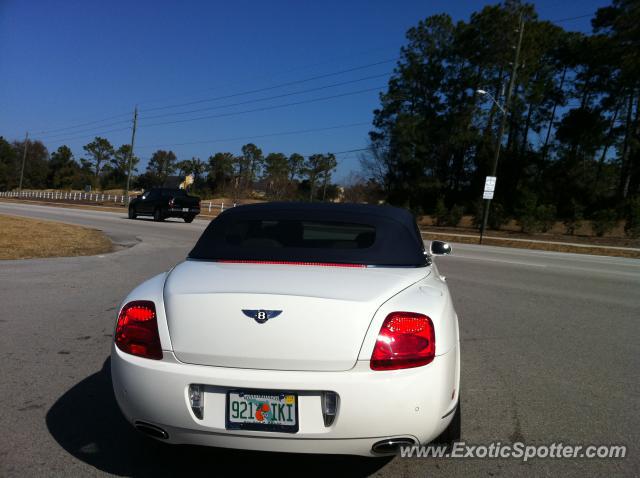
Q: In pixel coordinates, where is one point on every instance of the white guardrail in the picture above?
(92, 197)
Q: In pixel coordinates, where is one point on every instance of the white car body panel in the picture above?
(373, 405)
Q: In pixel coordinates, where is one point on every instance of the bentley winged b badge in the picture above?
(261, 315)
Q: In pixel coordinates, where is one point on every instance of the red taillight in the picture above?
(172, 202)
(137, 330)
(405, 340)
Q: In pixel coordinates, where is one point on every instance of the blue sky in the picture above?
(69, 62)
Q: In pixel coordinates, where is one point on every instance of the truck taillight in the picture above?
(172, 202)
(137, 330)
(405, 340)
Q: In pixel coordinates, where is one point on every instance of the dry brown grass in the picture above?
(24, 238)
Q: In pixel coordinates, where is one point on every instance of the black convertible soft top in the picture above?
(313, 232)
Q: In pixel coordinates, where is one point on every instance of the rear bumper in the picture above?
(178, 212)
(372, 405)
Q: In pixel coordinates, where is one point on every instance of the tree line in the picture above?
(274, 175)
(572, 143)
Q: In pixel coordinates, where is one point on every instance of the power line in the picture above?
(49, 132)
(266, 108)
(351, 151)
(568, 19)
(234, 113)
(61, 137)
(266, 135)
(283, 95)
(338, 153)
(94, 122)
(273, 87)
(82, 124)
(56, 136)
(84, 136)
(283, 71)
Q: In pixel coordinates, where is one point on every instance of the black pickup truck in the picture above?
(162, 203)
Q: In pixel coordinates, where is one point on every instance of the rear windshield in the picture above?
(299, 234)
(350, 234)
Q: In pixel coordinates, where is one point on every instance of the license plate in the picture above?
(185, 209)
(260, 410)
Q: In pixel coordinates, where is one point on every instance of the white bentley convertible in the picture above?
(312, 328)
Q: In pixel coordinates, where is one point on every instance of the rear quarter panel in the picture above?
(429, 296)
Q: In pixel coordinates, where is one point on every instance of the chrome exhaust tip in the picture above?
(151, 430)
(391, 446)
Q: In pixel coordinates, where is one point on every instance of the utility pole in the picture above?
(24, 159)
(133, 140)
(503, 121)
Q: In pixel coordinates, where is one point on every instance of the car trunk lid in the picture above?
(218, 313)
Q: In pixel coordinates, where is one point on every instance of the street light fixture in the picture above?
(486, 93)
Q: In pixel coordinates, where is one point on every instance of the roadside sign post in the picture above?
(491, 184)
(489, 187)
(487, 195)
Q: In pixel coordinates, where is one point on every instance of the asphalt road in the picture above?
(549, 343)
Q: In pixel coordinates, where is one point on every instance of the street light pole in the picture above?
(503, 121)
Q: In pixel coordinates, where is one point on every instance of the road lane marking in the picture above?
(572, 268)
(544, 266)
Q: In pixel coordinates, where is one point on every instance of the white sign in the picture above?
(490, 183)
(489, 187)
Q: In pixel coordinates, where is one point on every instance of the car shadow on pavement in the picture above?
(167, 220)
(87, 423)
